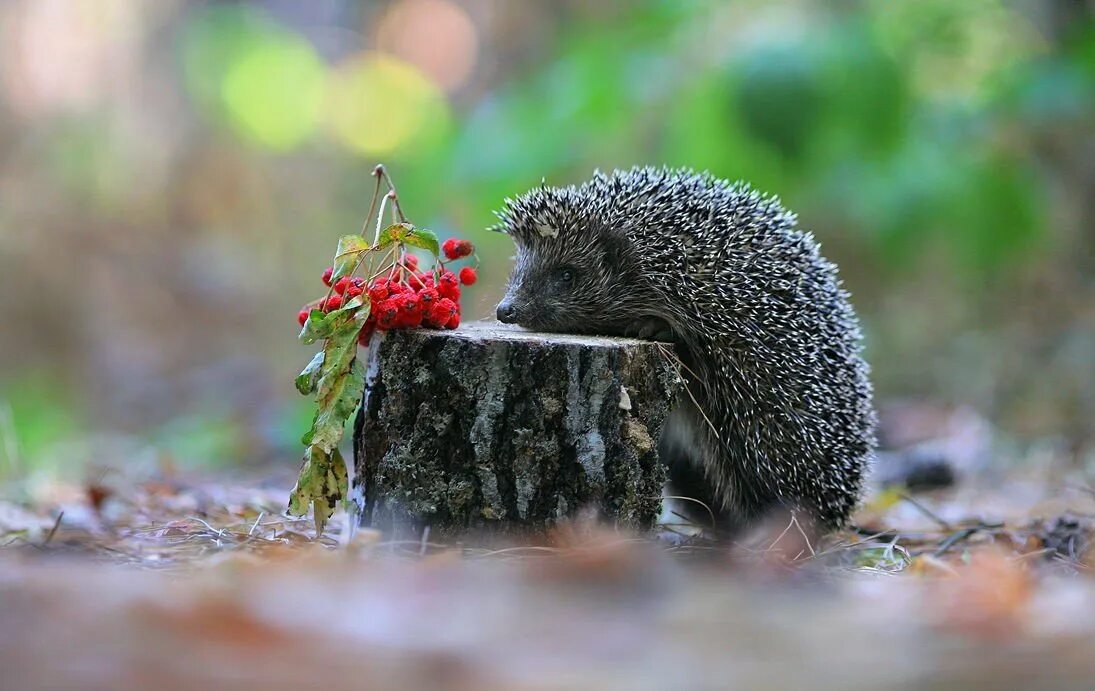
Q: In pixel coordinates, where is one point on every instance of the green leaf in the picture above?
(407, 234)
(316, 327)
(306, 380)
(355, 302)
(338, 394)
(348, 255)
(423, 239)
(321, 485)
(306, 439)
(396, 232)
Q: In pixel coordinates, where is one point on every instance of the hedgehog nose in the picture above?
(507, 312)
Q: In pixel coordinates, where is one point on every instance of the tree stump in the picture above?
(491, 427)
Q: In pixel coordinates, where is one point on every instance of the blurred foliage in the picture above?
(939, 150)
(259, 77)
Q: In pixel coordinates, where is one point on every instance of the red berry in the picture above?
(439, 313)
(409, 308)
(449, 248)
(427, 297)
(354, 290)
(443, 311)
(417, 281)
(452, 294)
(448, 285)
(411, 318)
(468, 276)
(327, 275)
(432, 319)
(455, 248)
(333, 303)
(302, 316)
(410, 261)
(342, 284)
(453, 322)
(378, 291)
(387, 313)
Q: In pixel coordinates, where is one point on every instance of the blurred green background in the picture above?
(174, 175)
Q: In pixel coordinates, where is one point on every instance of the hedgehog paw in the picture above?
(650, 329)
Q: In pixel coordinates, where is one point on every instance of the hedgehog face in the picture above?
(576, 269)
(557, 288)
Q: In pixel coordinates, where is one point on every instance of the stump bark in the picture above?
(491, 427)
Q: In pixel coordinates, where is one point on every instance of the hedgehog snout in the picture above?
(507, 312)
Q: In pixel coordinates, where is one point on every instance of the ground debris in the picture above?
(1067, 537)
(178, 581)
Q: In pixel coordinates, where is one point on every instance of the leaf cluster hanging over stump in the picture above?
(490, 427)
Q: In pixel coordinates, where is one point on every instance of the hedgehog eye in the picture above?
(566, 275)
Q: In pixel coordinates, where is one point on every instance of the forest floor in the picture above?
(178, 580)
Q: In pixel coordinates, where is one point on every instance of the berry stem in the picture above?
(383, 264)
(381, 172)
(381, 175)
(396, 217)
(377, 172)
(410, 274)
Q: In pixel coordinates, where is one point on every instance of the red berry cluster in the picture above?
(405, 297)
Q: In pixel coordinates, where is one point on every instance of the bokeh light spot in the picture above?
(436, 36)
(261, 78)
(274, 92)
(378, 105)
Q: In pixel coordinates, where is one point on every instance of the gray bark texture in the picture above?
(489, 427)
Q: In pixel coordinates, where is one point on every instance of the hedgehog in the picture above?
(778, 411)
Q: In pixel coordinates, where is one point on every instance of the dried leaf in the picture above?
(338, 380)
(321, 485)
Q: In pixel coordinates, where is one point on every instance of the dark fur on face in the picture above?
(573, 272)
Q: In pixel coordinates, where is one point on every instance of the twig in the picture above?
(219, 532)
(673, 357)
(710, 513)
(806, 538)
(954, 539)
(380, 219)
(780, 536)
(256, 523)
(377, 172)
(382, 172)
(1036, 553)
(927, 512)
(53, 530)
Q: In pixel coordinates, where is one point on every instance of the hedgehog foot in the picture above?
(650, 329)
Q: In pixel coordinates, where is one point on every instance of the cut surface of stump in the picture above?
(492, 427)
